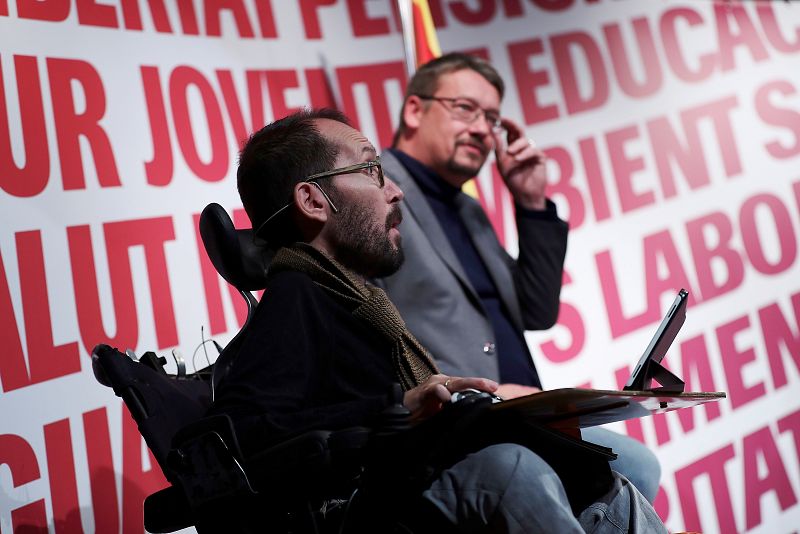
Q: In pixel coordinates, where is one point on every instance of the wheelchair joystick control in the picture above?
(395, 417)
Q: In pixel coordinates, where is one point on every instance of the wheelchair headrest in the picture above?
(237, 258)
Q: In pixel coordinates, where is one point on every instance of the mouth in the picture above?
(472, 146)
(394, 219)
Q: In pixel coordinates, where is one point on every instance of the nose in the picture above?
(392, 190)
(480, 125)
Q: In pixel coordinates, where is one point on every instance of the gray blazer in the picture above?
(435, 297)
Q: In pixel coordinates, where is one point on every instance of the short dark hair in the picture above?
(426, 80)
(274, 160)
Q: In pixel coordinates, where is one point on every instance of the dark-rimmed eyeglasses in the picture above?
(467, 110)
(371, 168)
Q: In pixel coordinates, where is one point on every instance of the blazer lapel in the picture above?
(416, 205)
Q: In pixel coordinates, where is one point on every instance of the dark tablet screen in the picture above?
(663, 338)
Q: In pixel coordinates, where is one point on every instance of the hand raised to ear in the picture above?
(522, 166)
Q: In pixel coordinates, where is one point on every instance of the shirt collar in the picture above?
(426, 178)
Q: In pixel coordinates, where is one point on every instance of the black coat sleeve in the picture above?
(300, 368)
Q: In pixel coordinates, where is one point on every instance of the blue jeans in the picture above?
(506, 488)
(636, 462)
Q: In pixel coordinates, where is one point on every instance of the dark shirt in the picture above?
(514, 359)
(307, 363)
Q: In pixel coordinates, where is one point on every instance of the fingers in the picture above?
(526, 150)
(513, 130)
(453, 384)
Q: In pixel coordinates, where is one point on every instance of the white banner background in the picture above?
(674, 157)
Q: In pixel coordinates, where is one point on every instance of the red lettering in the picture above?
(213, 12)
(713, 466)
(620, 60)
(101, 471)
(278, 82)
(710, 240)
(132, 18)
(730, 39)
(553, 5)
(30, 179)
(594, 179)
(780, 117)
(625, 167)
(773, 32)
(18, 455)
(375, 78)
(13, 369)
(754, 242)
(734, 362)
(320, 92)
(512, 8)
(266, 18)
(528, 80)
(309, 12)
(791, 424)
(564, 188)
(211, 283)
(181, 81)
(93, 14)
(759, 448)
(719, 112)
(669, 150)
(663, 274)
(61, 472)
(45, 359)
(240, 129)
(480, 14)
(188, 17)
(364, 25)
(698, 375)
(673, 50)
(778, 335)
(619, 324)
(138, 481)
(119, 237)
(52, 10)
(582, 42)
(71, 125)
(159, 169)
(569, 319)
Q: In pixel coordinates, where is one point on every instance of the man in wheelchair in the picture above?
(324, 348)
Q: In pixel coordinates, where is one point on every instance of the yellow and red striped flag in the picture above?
(427, 45)
(422, 45)
(419, 33)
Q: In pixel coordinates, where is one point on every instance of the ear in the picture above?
(413, 110)
(310, 202)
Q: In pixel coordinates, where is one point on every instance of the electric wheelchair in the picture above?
(318, 482)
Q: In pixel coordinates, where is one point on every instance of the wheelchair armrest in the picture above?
(220, 424)
(330, 458)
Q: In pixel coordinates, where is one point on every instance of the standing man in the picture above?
(460, 293)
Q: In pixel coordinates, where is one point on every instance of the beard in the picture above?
(363, 245)
(469, 169)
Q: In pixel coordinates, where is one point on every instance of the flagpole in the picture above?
(409, 41)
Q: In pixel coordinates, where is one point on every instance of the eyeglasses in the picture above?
(371, 168)
(467, 110)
